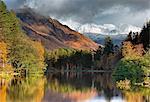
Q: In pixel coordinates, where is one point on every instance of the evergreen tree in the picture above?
(109, 46)
(98, 53)
(136, 38)
(145, 36)
(129, 37)
(23, 52)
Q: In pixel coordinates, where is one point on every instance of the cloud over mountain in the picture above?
(90, 11)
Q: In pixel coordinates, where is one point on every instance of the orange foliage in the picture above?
(3, 53)
(132, 51)
(3, 88)
(3, 94)
(134, 97)
(40, 52)
(3, 56)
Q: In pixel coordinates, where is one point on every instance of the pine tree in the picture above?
(129, 37)
(145, 36)
(23, 52)
(136, 38)
(109, 46)
(98, 53)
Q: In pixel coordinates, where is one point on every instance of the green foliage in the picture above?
(141, 38)
(64, 57)
(98, 53)
(145, 35)
(136, 64)
(58, 53)
(29, 89)
(129, 69)
(145, 62)
(133, 69)
(109, 47)
(23, 51)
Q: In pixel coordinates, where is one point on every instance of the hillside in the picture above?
(51, 32)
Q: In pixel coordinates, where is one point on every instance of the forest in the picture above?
(17, 50)
(129, 61)
(135, 64)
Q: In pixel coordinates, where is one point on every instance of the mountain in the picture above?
(108, 29)
(51, 32)
(98, 33)
(117, 39)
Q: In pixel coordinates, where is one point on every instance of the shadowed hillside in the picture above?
(52, 33)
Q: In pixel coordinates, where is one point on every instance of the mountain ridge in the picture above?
(108, 29)
(51, 33)
(98, 33)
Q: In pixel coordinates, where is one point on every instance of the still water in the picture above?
(85, 87)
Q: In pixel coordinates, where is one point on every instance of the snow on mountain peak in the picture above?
(89, 28)
(99, 32)
(105, 29)
(110, 26)
(73, 25)
(108, 29)
(126, 28)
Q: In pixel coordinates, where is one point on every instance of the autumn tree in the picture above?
(23, 52)
(136, 57)
(3, 53)
(131, 51)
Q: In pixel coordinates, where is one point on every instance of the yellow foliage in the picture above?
(3, 51)
(132, 51)
(40, 49)
(124, 84)
(40, 53)
(3, 89)
(3, 56)
(134, 97)
(3, 93)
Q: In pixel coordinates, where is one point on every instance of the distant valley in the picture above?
(98, 33)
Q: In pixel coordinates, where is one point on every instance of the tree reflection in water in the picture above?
(29, 89)
(86, 87)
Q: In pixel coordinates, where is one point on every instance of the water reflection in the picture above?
(29, 89)
(85, 87)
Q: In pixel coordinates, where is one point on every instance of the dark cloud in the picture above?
(85, 11)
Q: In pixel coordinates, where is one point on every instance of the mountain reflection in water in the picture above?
(85, 87)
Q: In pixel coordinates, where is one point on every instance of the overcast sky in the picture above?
(134, 12)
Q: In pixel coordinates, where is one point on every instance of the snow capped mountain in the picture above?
(99, 32)
(107, 29)
(90, 28)
(126, 28)
(96, 29)
(73, 25)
